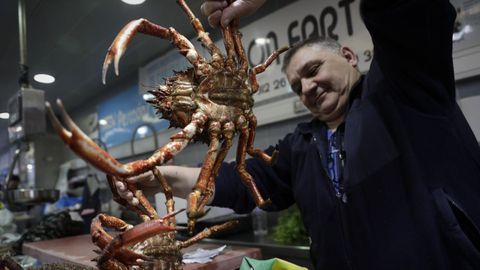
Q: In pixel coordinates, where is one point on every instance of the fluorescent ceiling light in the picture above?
(4, 115)
(44, 78)
(133, 2)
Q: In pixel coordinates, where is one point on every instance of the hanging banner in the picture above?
(120, 116)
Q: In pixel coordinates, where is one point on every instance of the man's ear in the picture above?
(349, 55)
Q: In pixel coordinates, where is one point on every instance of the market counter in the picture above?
(298, 254)
(79, 250)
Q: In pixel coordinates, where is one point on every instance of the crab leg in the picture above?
(228, 132)
(151, 213)
(194, 198)
(242, 57)
(208, 232)
(139, 202)
(83, 146)
(200, 196)
(259, 153)
(241, 167)
(167, 191)
(217, 59)
(139, 205)
(262, 67)
(228, 41)
(119, 45)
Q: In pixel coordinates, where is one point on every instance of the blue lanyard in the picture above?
(335, 161)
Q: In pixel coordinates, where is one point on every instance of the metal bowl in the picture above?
(31, 196)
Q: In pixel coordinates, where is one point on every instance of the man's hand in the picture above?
(219, 12)
(181, 180)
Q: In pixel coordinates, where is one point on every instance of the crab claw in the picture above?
(119, 46)
(114, 247)
(102, 239)
(137, 234)
(82, 145)
(115, 52)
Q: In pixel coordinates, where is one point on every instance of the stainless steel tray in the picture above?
(31, 196)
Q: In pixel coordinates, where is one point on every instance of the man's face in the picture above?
(323, 79)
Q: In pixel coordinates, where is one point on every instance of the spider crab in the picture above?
(210, 101)
(154, 243)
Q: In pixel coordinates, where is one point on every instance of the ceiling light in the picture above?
(133, 2)
(262, 41)
(148, 96)
(44, 78)
(142, 131)
(103, 122)
(4, 115)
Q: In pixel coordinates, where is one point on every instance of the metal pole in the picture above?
(22, 27)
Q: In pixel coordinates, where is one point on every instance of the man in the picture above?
(387, 174)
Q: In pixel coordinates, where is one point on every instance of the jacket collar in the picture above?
(356, 92)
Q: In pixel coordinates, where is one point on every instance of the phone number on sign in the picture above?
(275, 85)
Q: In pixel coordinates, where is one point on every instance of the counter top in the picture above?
(79, 250)
(298, 254)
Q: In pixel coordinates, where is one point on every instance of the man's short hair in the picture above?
(324, 42)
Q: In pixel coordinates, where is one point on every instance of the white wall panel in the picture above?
(471, 108)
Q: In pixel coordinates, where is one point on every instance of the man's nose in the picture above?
(308, 85)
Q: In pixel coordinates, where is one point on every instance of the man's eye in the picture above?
(312, 71)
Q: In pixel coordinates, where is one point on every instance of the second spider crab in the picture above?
(149, 245)
(210, 101)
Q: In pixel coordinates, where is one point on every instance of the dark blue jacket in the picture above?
(412, 170)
